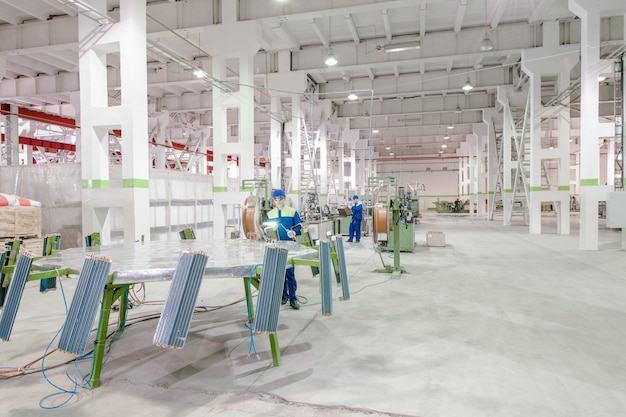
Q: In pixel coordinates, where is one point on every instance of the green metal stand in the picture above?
(247, 281)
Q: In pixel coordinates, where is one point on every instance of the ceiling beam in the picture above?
(63, 8)
(28, 8)
(460, 14)
(38, 66)
(422, 20)
(318, 31)
(9, 15)
(386, 24)
(352, 29)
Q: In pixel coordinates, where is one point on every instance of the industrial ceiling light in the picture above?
(375, 131)
(468, 85)
(446, 137)
(486, 44)
(353, 97)
(444, 146)
(330, 59)
(199, 72)
(450, 127)
(403, 46)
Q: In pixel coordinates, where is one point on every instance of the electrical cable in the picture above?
(250, 320)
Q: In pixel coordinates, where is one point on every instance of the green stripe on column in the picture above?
(491, 192)
(135, 183)
(563, 187)
(95, 184)
(588, 182)
(508, 190)
(220, 189)
(535, 188)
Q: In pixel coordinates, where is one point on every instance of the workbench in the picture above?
(151, 261)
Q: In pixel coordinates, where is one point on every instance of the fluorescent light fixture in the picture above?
(199, 73)
(468, 85)
(450, 127)
(391, 153)
(353, 96)
(446, 137)
(375, 131)
(444, 146)
(330, 59)
(387, 147)
(402, 46)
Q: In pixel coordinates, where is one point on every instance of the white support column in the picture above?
(232, 39)
(296, 144)
(548, 60)
(162, 121)
(492, 159)
(292, 85)
(480, 156)
(276, 139)
(128, 37)
(11, 135)
(508, 164)
(323, 163)
(472, 141)
(591, 191)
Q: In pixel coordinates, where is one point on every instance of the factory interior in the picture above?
(444, 178)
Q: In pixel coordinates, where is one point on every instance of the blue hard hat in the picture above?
(354, 197)
(278, 193)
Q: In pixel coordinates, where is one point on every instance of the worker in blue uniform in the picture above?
(357, 217)
(289, 225)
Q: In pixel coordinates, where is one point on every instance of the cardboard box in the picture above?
(434, 238)
(34, 245)
(20, 221)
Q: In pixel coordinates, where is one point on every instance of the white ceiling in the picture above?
(415, 93)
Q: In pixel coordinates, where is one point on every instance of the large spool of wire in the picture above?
(248, 218)
(380, 224)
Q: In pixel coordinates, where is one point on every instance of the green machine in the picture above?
(393, 217)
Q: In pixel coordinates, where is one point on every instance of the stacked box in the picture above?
(33, 245)
(20, 221)
(434, 238)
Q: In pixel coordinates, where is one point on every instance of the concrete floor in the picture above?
(497, 323)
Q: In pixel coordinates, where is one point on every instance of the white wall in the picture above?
(440, 179)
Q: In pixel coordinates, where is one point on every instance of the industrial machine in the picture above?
(389, 201)
(393, 226)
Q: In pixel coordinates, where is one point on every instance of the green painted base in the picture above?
(390, 270)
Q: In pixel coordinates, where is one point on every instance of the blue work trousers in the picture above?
(355, 229)
(289, 290)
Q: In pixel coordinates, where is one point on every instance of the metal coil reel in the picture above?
(381, 224)
(251, 218)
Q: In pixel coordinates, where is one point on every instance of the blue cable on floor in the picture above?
(84, 378)
(70, 392)
(252, 348)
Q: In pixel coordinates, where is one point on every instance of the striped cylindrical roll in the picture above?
(16, 290)
(326, 278)
(175, 320)
(84, 306)
(343, 273)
